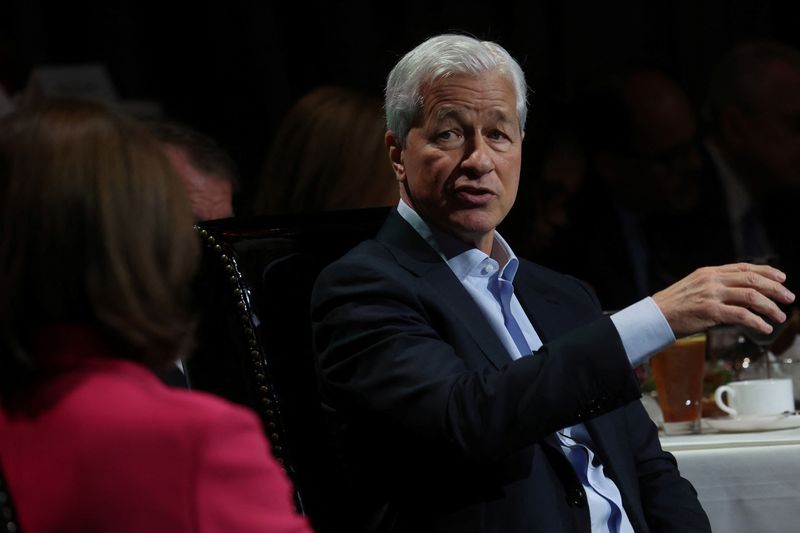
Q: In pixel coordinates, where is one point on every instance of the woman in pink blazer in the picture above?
(97, 254)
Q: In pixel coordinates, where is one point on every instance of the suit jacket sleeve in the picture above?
(239, 485)
(669, 501)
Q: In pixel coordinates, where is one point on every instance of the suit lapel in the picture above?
(414, 254)
(550, 320)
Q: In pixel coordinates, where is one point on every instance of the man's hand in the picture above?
(730, 294)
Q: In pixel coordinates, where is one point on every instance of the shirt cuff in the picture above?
(643, 330)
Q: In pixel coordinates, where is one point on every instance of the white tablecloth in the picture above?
(746, 482)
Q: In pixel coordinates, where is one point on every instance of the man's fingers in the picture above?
(741, 293)
(755, 301)
(764, 284)
(732, 314)
(764, 270)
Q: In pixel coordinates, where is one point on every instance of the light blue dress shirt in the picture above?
(489, 280)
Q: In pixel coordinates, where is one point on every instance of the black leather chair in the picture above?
(254, 339)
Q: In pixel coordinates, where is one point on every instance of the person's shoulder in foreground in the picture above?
(150, 457)
(97, 260)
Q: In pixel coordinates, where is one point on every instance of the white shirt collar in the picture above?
(463, 259)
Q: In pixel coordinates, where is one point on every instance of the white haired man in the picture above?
(479, 392)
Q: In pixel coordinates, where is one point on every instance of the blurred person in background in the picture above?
(547, 189)
(327, 155)
(625, 228)
(97, 255)
(211, 180)
(206, 170)
(752, 120)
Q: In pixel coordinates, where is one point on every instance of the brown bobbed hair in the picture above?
(95, 229)
(328, 154)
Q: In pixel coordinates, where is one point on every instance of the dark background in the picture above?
(232, 69)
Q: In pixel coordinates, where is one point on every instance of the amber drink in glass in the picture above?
(678, 373)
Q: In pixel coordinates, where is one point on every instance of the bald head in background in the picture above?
(207, 172)
(210, 195)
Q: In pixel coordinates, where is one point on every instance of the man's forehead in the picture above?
(461, 95)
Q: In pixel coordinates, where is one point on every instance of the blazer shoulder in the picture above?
(202, 412)
(370, 251)
(131, 397)
(369, 259)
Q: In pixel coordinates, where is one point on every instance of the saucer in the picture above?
(754, 423)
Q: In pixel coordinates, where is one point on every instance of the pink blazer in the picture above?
(103, 445)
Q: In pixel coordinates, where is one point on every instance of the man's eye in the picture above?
(498, 135)
(448, 135)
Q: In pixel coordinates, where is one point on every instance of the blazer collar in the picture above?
(408, 247)
(415, 255)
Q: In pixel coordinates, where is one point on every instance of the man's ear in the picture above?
(395, 156)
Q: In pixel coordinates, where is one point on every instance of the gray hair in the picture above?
(440, 57)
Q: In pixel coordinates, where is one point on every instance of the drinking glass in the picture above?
(763, 341)
(678, 372)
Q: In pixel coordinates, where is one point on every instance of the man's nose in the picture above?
(477, 158)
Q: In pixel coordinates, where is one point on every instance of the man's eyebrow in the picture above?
(501, 116)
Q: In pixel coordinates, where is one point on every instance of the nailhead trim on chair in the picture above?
(267, 403)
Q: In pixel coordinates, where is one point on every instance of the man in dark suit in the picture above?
(475, 391)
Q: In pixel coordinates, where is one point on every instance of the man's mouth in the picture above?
(474, 196)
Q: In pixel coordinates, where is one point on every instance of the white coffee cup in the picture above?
(756, 397)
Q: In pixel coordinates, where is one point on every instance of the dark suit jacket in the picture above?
(442, 431)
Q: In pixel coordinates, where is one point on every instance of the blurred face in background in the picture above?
(661, 171)
(765, 133)
(210, 196)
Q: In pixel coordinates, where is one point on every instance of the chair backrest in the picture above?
(254, 339)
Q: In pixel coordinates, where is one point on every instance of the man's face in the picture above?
(460, 166)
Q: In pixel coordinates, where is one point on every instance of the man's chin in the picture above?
(473, 228)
